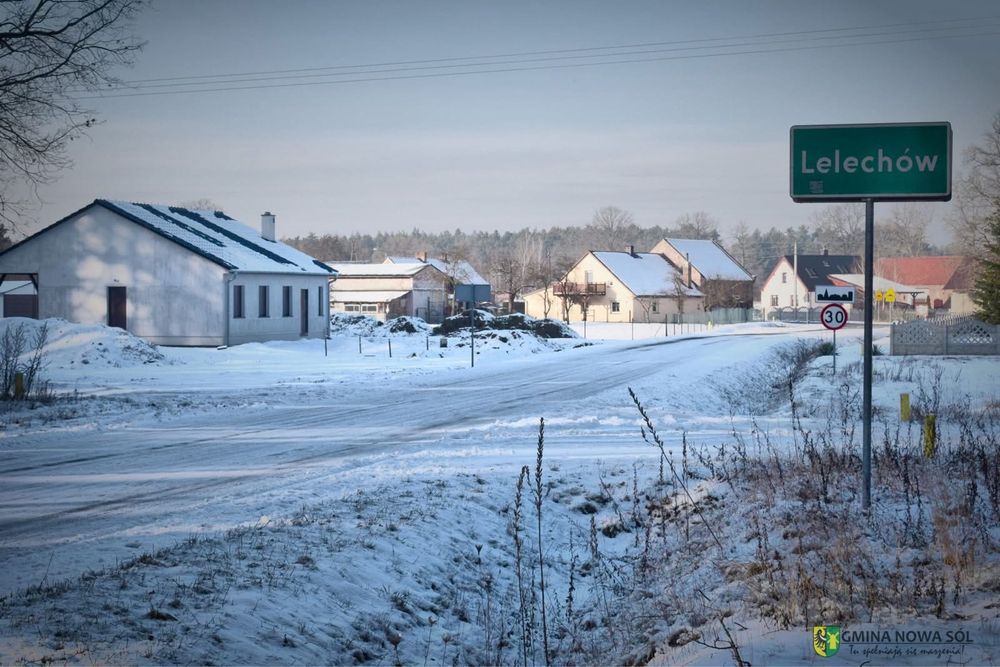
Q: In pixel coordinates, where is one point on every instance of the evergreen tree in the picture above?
(986, 293)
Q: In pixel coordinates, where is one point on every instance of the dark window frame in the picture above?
(263, 301)
(286, 301)
(239, 302)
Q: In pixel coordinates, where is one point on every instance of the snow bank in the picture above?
(346, 324)
(72, 345)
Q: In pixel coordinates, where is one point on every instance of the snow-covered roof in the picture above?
(365, 296)
(350, 270)
(857, 280)
(218, 238)
(462, 271)
(643, 273)
(710, 259)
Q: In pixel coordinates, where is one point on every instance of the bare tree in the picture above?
(201, 204)
(841, 228)
(978, 194)
(509, 275)
(697, 225)
(51, 51)
(610, 228)
(904, 232)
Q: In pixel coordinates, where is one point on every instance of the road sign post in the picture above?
(869, 163)
(833, 317)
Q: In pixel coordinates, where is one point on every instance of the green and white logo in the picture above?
(826, 639)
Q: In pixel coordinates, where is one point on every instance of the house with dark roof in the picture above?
(792, 281)
(607, 286)
(174, 276)
(707, 266)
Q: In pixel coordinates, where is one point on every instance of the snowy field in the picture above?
(327, 503)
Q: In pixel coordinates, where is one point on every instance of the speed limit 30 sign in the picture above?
(833, 316)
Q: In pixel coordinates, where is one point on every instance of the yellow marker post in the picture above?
(904, 407)
(930, 435)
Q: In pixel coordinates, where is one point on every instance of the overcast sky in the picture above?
(688, 129)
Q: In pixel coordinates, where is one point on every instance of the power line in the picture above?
(617, 59)
(324, 72)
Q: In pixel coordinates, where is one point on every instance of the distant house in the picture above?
(946, 279)
(460, 276)
(174, 276)
(608, 286)
(707, 266)
(385, 291)
(785, 289)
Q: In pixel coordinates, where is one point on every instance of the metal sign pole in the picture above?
(472, 334)
(834, 351)
(866, 446)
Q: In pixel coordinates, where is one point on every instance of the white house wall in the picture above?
(252, 328)
(173, 296)
(600, 306)
(785, 291)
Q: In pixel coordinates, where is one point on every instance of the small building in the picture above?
(172, 275)
(606, 286)
(784, 290)
(462, 278)
(706, 265)
(387, 290)
(947, 279)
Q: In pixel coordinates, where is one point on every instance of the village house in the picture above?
(388, 290)
(607, 286)
(788, 290)
(173, 275)
(706, 265)
(463, 281)
(946, 280)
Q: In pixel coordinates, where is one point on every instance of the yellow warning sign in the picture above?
(890, 295)
(878, 295)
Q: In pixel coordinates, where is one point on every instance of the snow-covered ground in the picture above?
(325, 502)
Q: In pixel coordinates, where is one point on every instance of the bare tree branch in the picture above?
(51, 51)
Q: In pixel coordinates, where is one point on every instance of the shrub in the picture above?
(24, 358)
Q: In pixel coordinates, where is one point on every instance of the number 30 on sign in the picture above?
(833, 316)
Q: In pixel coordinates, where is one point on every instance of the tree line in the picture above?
(515, 261)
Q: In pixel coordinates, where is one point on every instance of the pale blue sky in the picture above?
(526, 148)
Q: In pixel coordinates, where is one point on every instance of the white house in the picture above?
(387, 290)
(174, 276)
(792, 282)
(707, 266)
(606, 286)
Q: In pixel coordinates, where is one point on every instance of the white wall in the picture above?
(173, 296)
(254, 328)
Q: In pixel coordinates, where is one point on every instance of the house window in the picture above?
(286, 301)
(811, 273)
(262, 305)
(774, 300)
(655, 307)
(588, 277)
(352, 308)
(238, 302)
(616, 307)
(784, 277)
(369, 308)
(319, 300)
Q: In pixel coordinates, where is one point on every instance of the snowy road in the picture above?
(72, 502)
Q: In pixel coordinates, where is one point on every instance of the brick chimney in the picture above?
(422, 256)
(267, 226)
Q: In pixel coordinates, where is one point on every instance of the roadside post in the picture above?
(834, 317)
(472, 294)
(869, 163)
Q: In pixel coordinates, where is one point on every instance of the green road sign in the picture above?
(891, 161)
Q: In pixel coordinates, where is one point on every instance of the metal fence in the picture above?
(717, 316)
(945, 335)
